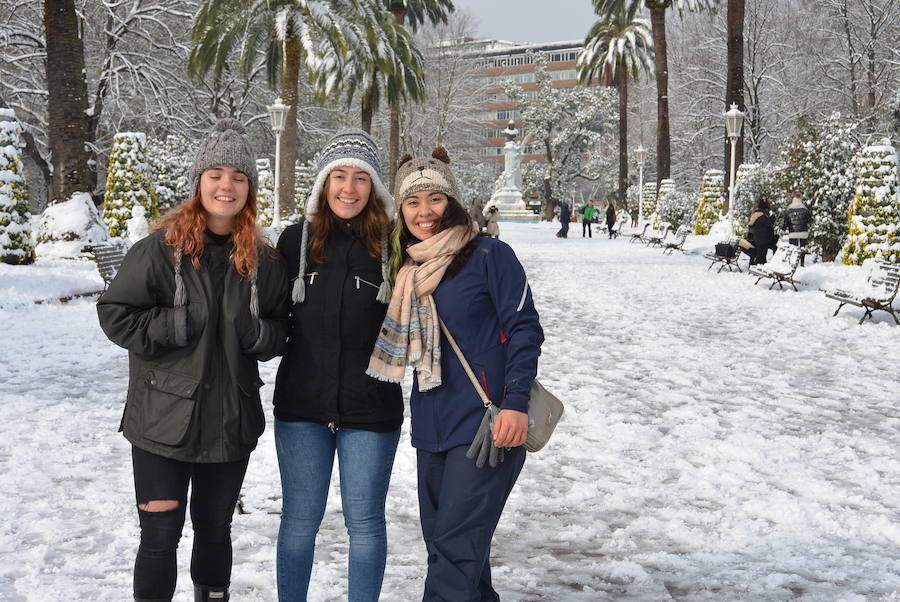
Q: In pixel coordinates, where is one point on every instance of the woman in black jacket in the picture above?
(324, 401)
(760, 232)
(196, 304)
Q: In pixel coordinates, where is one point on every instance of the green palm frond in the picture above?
(419, 11)
(620, 39)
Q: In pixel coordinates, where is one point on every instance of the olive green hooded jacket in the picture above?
(193, 394)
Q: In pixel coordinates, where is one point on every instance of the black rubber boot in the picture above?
(205, 593)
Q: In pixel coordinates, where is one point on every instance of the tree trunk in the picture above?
(549, 202)
(734, 86)
(622, 84)
(67, 127)
(663, 144)
(394, 131)
(290, 79)
(368, 106)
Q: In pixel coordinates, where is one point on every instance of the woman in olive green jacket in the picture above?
(196, 304)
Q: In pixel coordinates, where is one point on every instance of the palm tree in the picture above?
(658, 22)
(414, 13)
(67, 101)
(616, 48)
(283, 30)
(385, 63)
(734, 87)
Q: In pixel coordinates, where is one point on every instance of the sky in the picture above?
(531, 20)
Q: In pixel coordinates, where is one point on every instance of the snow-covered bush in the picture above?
(170, 160)
(304, 177)
(65, 228)
(751, 181)
(137, 224)
(649, 205)
(677, 208)
(874, 224)
(819, 162)
(16, 246)
(128, 182)
(711, 203)
(265, 194)
(666, 187)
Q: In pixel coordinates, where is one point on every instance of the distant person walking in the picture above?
(478, 214)
(797, 218)
(493, 227)
(588, 215)
(565, 216)
(610, 215)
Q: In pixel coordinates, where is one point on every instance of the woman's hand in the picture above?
(510, 428)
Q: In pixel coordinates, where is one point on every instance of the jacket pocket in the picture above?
(168, 407)
(253, 420)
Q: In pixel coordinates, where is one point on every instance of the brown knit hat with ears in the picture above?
(425, 173)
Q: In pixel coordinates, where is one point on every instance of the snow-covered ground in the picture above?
(722, 442)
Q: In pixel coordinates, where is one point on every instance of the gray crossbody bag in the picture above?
(544, 409)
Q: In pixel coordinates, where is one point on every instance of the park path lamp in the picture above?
(639, 154)
(734, 119)
(278, 112)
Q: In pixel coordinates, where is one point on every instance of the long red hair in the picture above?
(185, 228)
(375, 222)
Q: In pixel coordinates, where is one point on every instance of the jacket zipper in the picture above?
(312, 276)
(358, 280)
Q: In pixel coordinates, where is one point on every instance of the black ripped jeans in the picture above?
(214, 494)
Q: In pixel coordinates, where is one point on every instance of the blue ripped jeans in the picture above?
(305, 459)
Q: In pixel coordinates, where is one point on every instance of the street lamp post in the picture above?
(639, 154)
(734, 119)
(277, 112)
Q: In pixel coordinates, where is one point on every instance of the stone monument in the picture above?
(507, 196)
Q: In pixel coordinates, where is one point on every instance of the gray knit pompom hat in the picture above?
(227, 144)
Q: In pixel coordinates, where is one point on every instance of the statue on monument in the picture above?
(508, 187)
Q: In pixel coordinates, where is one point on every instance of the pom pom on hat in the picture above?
(227, 144)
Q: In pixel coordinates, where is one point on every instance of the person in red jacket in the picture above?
(444, 271)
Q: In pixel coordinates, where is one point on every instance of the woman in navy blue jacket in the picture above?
(444, 270)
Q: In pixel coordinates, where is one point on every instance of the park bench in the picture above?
(638, 235)
(109, 257)
(781, 268)
(620, 225)
(726, 254)
(878, 293)
(656, 237)
(677, 244)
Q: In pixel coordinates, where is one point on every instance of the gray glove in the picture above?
(483, 447)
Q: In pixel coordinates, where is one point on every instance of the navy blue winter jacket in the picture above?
(489, 310)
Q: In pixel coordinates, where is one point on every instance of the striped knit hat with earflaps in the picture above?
(351, 148)
(227, 144)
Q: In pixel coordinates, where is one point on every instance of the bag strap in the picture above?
(462, 360)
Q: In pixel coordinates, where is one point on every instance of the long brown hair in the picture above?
(186, 226)
(375, 222)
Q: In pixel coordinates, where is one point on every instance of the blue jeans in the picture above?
(305, 459)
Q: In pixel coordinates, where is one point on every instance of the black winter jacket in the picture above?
(200, 402)
(796, 219)
(761, 231)
(332, 333)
